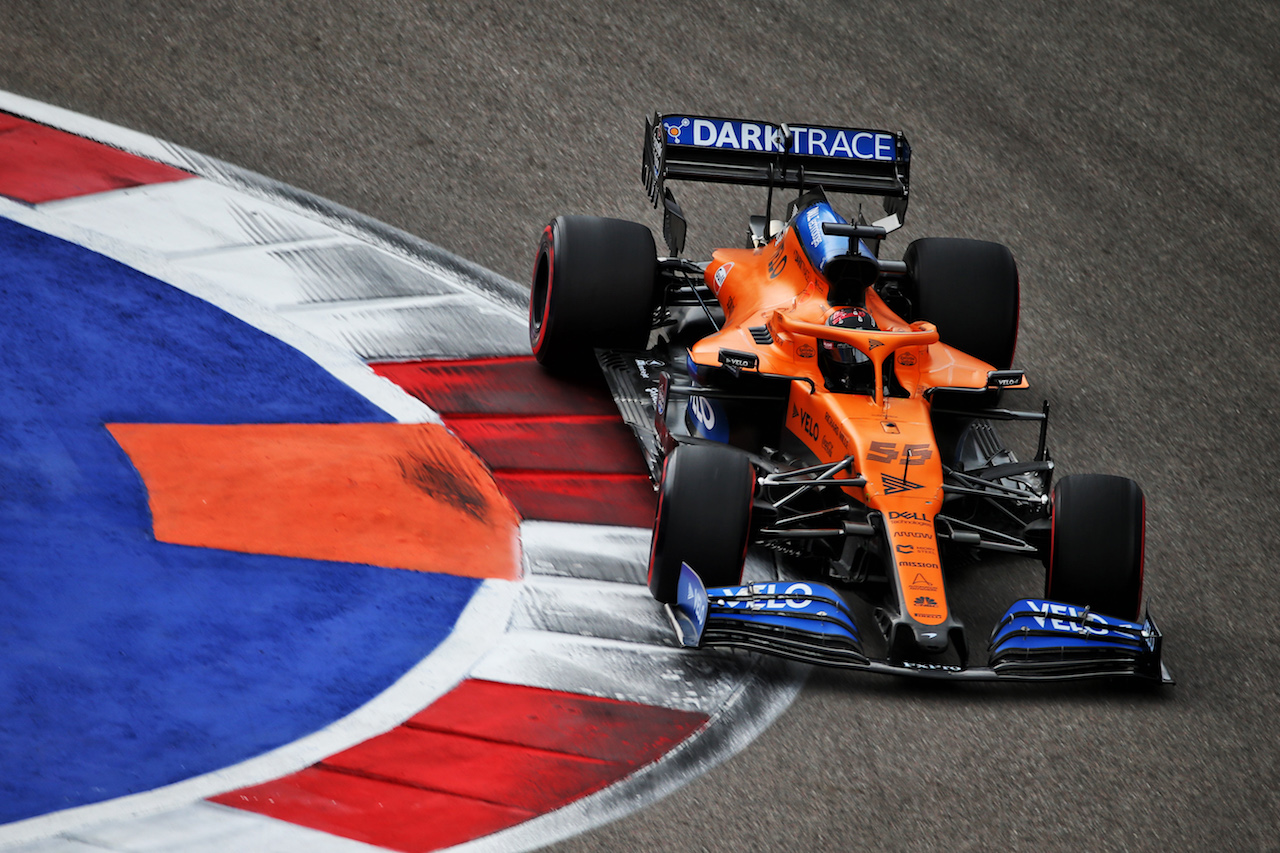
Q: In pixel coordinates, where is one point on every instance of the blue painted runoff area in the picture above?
(127, 664)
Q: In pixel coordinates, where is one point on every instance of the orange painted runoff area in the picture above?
(407, 496)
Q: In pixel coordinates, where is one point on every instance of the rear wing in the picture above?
(758, 153)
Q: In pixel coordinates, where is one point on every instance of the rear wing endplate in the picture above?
(759, 153)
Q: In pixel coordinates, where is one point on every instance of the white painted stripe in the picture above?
(613, 611)
(365, 306)
(473, 638)
(339, 361)
(606, 553)
(198, 828)
(57, 844)
(260, 249)
(586, 550)
(574, 587)
(185, 217)
(613, 669)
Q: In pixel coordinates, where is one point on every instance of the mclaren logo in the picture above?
(894, 485)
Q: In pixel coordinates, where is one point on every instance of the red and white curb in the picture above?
(348, 291)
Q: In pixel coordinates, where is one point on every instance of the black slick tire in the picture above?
(703, 517)
(1096, 544)
(969, 290)
(593, 286)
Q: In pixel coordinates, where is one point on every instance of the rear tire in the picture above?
(703, 518)
(969, 290)
(593, 286)
(1096, 544)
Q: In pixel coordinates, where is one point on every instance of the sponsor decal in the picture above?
(904, 549)
(778, 262)
(873, 343)
(674, 129)
(848, 144)
(643, 365)
(808, 422)
(740, 360)
(908, 517)
(912, 534)
(805, 351)
(699, 603)
(813, 224)
(1005, 378)
(701, 410)
(885, 452)
(738, 135)
(1093, 623)
(720, 276)
(779, 600)
(920, 582)
(932, 667)
(706, 418)
(835, 427)
(924, 601)
(906, 359)
(922, 549)
(729, 306)
(895, 485)
(844, 143)
(657, 152)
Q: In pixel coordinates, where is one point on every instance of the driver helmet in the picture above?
(844, 366)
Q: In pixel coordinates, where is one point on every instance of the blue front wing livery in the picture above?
(802, 620)
(808, 621)
(1046, 638)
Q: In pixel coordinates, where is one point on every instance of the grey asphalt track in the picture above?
(1125, 151)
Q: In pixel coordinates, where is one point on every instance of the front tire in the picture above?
(969, 290)
(593, 286)
(703, 518)
(1096, 545)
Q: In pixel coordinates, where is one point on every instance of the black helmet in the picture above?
(844, 366)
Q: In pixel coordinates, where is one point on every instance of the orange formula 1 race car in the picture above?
(808, 396)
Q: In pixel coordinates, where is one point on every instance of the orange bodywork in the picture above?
(890, 438)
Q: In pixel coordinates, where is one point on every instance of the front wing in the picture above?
(1037, 640)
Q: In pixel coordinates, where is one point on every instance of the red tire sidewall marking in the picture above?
(549, 244)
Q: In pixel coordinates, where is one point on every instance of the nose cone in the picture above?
(931, 640)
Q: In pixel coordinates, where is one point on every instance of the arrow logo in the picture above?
(893, 485)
